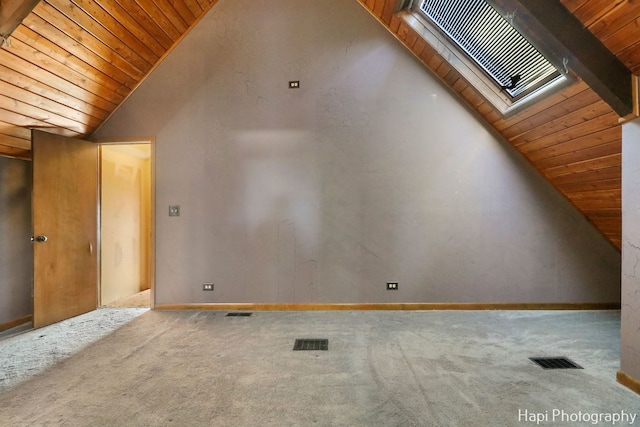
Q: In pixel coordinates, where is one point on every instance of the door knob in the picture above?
(41, 239)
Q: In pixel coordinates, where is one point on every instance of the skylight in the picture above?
(484, 47)
(502, 52)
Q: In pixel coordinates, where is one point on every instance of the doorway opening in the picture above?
(126, 224)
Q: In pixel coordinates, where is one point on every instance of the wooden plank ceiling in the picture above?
(72, 62)
(573, 138)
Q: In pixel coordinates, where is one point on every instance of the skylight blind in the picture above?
(498, 48)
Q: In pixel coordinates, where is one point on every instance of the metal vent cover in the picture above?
(555, 363)
(311, 344)
(239, 314)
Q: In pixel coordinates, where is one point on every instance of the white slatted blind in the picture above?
(490, 40)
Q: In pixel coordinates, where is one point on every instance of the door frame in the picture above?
(151, 141)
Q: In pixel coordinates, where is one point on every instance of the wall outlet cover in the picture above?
(207, 286)
(392, 286)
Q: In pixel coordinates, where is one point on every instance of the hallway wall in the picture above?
(125, 219)
(370, 172)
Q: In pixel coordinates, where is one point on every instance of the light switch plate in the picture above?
(174, 210)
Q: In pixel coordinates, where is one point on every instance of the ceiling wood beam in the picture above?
(12, 12)
(548, 23)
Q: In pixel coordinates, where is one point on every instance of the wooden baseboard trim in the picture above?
(389, 306)
(15, 322)
(628, 381)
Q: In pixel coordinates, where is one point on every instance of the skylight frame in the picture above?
(487, 85)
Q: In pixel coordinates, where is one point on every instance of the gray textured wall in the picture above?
(630, 338)
(370, 172)
(16, 253)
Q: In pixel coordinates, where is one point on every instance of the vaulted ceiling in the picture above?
(72, 62)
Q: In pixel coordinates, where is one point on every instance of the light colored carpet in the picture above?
(382, 369)
(16, 330)
(29, 353)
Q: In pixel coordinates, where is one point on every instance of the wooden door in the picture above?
(64, 205)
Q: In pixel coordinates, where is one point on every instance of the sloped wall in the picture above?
(369, 172)
(16, 252)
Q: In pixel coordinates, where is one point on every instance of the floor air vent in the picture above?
(239, 314)
(311, 344)
(555, 363)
